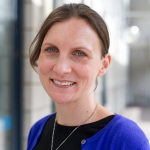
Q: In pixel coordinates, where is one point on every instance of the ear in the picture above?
(105, 62)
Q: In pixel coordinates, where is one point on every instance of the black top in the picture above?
(62, 132)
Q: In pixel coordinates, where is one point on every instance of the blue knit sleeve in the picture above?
(130, 136)
(119, 134)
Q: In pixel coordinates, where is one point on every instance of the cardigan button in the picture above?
(83, 142)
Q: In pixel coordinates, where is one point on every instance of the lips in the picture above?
(64, 83)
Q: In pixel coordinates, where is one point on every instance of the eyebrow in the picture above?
(47, 44)
(76, 47)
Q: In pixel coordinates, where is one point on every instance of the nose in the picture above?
(62, 66)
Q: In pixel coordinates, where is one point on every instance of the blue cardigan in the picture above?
(119, 134)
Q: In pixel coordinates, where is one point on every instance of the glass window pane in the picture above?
(6, 52)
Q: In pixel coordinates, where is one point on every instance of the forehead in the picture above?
(72, 24)
(74, 30)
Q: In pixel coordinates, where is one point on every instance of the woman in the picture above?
(70, 52)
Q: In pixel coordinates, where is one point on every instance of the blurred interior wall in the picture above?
(139, 70)
(6, 65)
(11, 74)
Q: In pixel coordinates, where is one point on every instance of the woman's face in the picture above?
(70, 60)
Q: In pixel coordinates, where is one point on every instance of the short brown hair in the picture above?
(65, 12)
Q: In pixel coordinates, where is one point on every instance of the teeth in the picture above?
(63, 83)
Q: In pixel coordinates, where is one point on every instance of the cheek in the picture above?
(88, 72)
(43, 66)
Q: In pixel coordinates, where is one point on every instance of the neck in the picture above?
(75, 113)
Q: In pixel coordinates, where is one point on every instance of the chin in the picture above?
(61, 98)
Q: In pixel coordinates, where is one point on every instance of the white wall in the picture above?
(37, 104)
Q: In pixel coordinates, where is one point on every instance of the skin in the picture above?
(71, 52)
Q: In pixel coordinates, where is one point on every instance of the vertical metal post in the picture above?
(17, 75)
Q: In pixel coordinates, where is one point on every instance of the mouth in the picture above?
(64, 83)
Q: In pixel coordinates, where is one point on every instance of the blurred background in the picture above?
(125, 89)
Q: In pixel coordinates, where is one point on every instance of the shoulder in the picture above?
(36, 130)
(126, 125)
(128, 133)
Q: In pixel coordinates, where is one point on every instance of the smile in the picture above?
(63, 83)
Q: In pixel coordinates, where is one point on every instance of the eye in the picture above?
(51, 49)
(80, 53)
